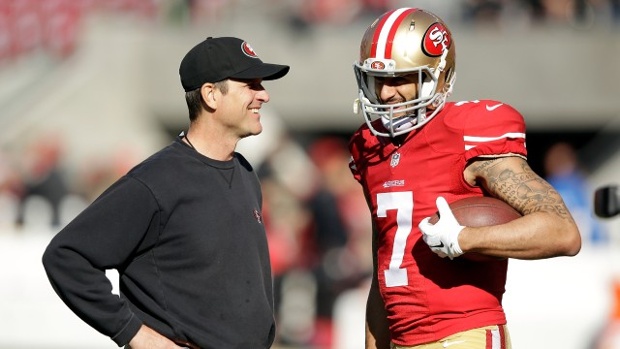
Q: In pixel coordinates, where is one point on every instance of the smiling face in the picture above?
(240, 107)
(397, 89)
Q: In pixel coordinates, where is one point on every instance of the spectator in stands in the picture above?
(44, 178)
(564, 173)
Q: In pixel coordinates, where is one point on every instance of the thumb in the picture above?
(445, 212)
(442, 205)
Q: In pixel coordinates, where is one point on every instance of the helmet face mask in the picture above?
(399, 43)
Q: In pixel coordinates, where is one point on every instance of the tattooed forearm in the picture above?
(520, 186)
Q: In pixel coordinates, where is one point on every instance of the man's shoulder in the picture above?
(481, 107)
(159, 162)
(481, 113)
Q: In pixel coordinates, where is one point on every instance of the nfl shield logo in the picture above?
(395, 159)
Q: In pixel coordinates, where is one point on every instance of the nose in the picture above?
(386, 92)
(263, 96)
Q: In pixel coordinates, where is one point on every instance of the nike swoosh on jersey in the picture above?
(493, 107)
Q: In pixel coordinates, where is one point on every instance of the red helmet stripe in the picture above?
(375, 38)
(386, 31)
(395, 25)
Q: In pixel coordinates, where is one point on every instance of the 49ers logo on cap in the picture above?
(248, 50)
(436, 40)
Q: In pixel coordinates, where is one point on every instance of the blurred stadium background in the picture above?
(88, 88)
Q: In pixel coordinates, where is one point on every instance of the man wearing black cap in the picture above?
(184, 228)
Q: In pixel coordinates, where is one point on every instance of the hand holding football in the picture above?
(480, 211)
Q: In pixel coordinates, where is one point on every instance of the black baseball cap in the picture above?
(217, 59)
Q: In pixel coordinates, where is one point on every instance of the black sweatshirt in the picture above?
(186, 235)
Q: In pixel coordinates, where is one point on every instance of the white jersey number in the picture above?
(402, 202)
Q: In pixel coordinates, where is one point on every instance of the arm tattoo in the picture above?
(520, 187)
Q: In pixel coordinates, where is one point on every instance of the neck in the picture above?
(216, 148)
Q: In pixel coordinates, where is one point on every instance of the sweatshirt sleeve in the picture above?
(104, 236)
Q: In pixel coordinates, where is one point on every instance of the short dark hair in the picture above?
(194, 100)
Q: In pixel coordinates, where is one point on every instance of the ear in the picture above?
(208, 95)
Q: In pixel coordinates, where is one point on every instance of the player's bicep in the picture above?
(512, 180)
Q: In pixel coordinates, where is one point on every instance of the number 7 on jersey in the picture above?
(402, 202)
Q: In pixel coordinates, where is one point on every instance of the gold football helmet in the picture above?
(402, 42)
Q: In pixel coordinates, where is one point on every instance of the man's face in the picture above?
(397, 89)
(241, 107)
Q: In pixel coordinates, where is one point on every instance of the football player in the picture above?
(416, 153)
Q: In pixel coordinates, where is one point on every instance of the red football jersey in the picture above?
(428, 297)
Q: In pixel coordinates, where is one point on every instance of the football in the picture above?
(480, 211)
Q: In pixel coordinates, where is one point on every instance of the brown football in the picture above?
(480, 211)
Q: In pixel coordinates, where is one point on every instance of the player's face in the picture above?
(242, 107)
(397, 89)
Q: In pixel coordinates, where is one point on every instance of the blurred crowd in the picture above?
(54, 25)
(303, 15)
(307, 13)
(319, 235)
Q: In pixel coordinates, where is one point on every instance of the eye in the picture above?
(255, 85)
(401, 80)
